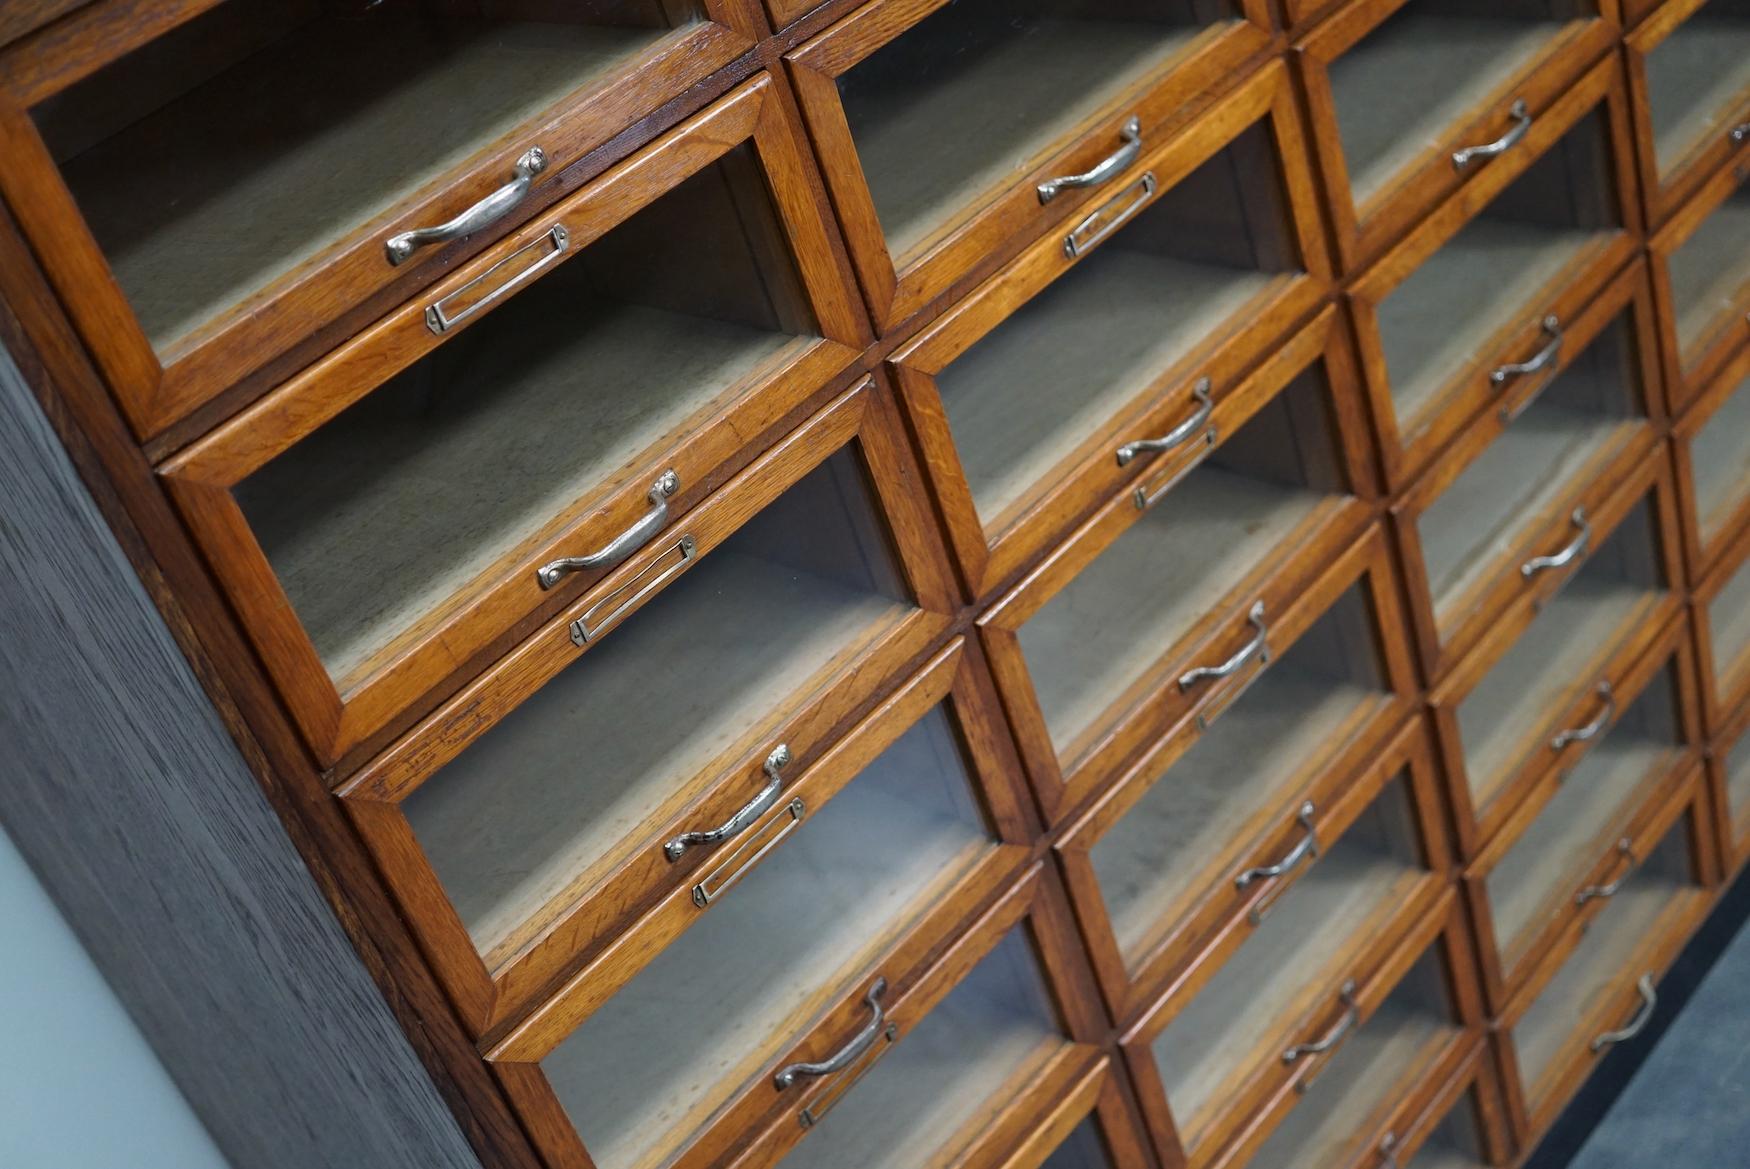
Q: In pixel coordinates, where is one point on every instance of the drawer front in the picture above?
(1712, 445)
(1598, 987)
(1458, 1122)
(1518, 705)
(1701, 275)
(187, 276)
(1094, 1128)
(1729, 780)
(1722, 609)
(400, 509)
(950, 130)
(1688, 73)
(659, 705)
(1479, 529)
(1467, 296)
(1384, 166)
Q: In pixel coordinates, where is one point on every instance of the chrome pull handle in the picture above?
(1643, 1016)
(846, 1055)
(1626, 847)
(1177, 436)
(1541, 359)
(748, 813)
(1351, 1016)
(1105, 170)
(1258, 647)
(1388, 1151)
(1521, 115)
(623, 545)
(1307, 849)
(1740, 132)
(484, 213)
(1592, 729)
(1567, 555)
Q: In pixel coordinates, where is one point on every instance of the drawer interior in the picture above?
(548, 792)
(1308, 936)
(1438, 322)
(1709, 271)
(1728, 620)
(929, 1093)
(978, 91)
(1246, 502)
(1510, 487)
(1737, 764)
(1719, 457)
(1083, 1148)
(237, 148)
(715, 1008)
(1373, 1067)
(1457, 1141)
(391, 509)
(1600, 964)
(1551, 660)
(1039, 384)
(1696, 77)
(1292, 720)
(1569, 833)
(1452, 54)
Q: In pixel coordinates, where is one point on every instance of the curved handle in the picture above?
(748, 813)
(1590, 730)
(1257, 647)
(1351, 1016)
(623, 545)
(1521, 115)
(1626, 847)
(843, 1057)
(1542, 358)
(1105, 170)
(1643, 1016)
(488, 211)
(1568, 554)
(1388, 1151)
(1740, 132)
(1307, 849)
(1177, 436)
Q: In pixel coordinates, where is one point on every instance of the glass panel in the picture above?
(1492, 273)
(1511, 485)
(1549, 661)
(1738, 780)
(546, 795)
(1451, 54)
(977, 92)
(1295, 717)
(1695, 79)
(1729, 624)
(1709, 270)
(1456, 1142)
(239, 147)
(715, 1007)
(1378, 1063)
(1306, 937)
(1720, 457)
(1081, 1149)
(914, 1105)
(1026, 395)
(1568, 834)
(1599, 964)
(392, 509)
(1242, 504)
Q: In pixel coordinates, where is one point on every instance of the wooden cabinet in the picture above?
(939, 584)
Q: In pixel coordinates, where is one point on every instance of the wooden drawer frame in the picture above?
(898, 287)
(1734, 823)
(1473, 1085)
(267, 333)
(1728, 332)
(1725, 686)
(1703, 554)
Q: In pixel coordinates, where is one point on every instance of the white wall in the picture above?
(79, 1087)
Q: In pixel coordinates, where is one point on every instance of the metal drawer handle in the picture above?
(1307, 849)
(749, 812)
(1388, 1151)
(1351, 1016)
(1626, 847)
(1105, 170)
(623, 545)
(1177, 436)
(1103, 221)
(1521, 115)
(1649, 1003)
(844, 1056)
(1740, 132)
(484, 213)
(1544, 357)
(1258, 647)
(1592, 729)
(1567, 555)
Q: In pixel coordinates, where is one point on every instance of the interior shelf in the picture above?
(541, 801)
(1696, 77)
(1719, 456)
(1709, 271)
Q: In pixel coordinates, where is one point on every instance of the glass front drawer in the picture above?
(1728, 628)
(1708, 277)
(1696, 77)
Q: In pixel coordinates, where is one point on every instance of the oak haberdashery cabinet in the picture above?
(879, 584)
